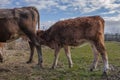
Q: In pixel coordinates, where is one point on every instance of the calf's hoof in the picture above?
(105, 74)
(70, 66)
(91, 69)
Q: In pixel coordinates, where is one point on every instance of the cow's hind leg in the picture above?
(96, 58)
(101, 48)
(39, 51)
(68, 54)
(40, 60)
(32, 47)
(33, 38)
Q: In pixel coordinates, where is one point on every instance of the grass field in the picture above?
(15, 68)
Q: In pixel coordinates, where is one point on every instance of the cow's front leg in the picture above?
(40, 60)
(32, 47)
(56, 56)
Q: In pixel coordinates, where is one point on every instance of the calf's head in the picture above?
(42, 37)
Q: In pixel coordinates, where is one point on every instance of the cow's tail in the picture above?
(38, 16)
(102, 26)
(102, 22)
(38, 20)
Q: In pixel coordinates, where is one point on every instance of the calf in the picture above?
(74, 32)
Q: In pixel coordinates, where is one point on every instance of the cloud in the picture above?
(112, 24)
(46, 4)
(83, 6)
(46, 25)
(112, 27)
(4, 3)
(113, 18)
(17, 3)
(62, 7)
(110, 4)
(108, 9)
(42, 4)
(109, 12)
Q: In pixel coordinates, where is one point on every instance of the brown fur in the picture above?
(73, 32)
(18, 22)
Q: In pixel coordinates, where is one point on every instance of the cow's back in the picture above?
(6, 13)
(16, 22)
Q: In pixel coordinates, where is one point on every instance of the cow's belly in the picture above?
(78, 42)
(13, 37)
(9, 38)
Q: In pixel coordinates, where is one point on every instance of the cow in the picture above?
(18, 22)
(74, 32)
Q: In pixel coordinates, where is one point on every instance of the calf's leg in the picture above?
(101, 48)
(68, 54)
(56, 56)
(96, 58)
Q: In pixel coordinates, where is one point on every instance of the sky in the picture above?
(52, 11)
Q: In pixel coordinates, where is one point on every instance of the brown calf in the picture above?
(74, 32)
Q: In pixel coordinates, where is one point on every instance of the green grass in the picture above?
(82, 58)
